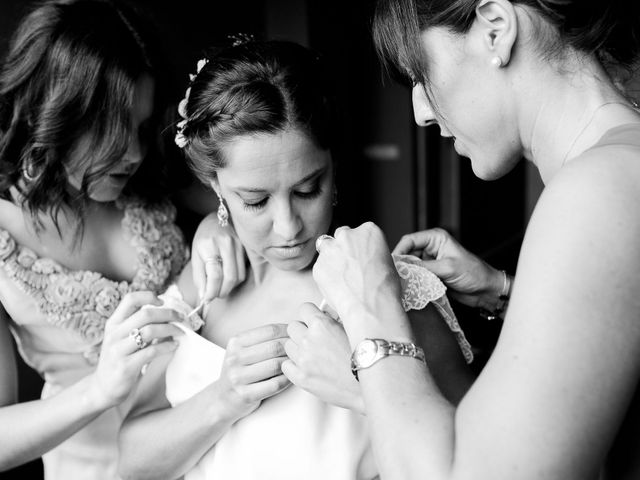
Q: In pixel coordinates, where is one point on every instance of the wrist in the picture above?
(493, 303)
(391, 321)
(94, 397)
(222, 405)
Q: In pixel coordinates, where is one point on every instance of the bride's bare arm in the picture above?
(174, 439)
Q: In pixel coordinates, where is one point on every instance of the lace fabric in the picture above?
(421, 287)
(81, 301)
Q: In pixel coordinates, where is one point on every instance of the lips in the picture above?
(289, 250)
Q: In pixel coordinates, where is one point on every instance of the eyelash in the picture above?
(253, 207)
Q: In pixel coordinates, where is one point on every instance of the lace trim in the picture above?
(82, 301)
(421, 287)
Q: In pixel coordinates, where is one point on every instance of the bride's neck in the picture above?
(262, 271)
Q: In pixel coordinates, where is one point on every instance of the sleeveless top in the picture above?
(57, 318)
(293, 435)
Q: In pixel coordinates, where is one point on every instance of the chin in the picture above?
(492, 169)
(295, 264)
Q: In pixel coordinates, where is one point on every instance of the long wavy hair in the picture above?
(71, 72)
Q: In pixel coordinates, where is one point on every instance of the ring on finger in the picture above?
(321, 239)
(137, 337)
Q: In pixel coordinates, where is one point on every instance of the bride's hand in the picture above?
(319, 359)
(217, 258)
(251, 370)
(122, 357)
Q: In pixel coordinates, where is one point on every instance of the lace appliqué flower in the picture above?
(82, 301)
(421, 287)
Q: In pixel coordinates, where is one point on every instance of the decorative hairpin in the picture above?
(180, 139)
(238, 39)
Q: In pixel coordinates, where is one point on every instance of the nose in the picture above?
(422, 111)
(287, 223)
(136, 151)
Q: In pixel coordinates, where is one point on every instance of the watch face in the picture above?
(365, 353)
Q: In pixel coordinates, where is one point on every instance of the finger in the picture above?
(297, 331)
(229, 268)
(147, 316)
(147, 354)
(340, 231)
(441, 268)
(293, 373)
(321, 240)
(131, 303)
(267, 388)
(262, 370)
(213, 270)
(292, 350)
(198, 272)
(262, 351)
(240, 261)
(258, 335)
(406, 246)
(310, 314)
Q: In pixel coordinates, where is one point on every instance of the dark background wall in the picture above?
(389, 171)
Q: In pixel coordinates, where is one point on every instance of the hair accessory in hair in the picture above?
(237, 39)
(180, 139)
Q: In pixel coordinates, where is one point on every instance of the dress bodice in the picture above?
(58, 315)
(293, 435)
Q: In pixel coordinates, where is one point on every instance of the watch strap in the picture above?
(388, 348)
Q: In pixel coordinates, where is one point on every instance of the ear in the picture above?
(215, 185)
(499, 23)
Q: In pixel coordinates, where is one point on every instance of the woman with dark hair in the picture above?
(556, 399)
(86, 238)
(257, 130)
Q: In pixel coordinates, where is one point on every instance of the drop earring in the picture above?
(496, 61)
(223, 213)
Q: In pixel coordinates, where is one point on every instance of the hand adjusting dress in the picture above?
(293, 435)
(58, 316)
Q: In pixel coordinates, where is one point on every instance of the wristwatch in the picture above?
(370, 350)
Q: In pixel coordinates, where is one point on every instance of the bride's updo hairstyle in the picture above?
(608, 29)
(251, 89)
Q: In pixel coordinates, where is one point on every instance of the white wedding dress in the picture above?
(293, 435)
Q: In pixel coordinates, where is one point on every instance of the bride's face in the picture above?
(278, 189)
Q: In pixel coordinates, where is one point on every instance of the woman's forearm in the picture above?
(408, 381)
(33, 428)
(167, 443)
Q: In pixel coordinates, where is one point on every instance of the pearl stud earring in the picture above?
(496, 61)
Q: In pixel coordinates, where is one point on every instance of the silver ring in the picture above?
(321, 239)
(137, 337)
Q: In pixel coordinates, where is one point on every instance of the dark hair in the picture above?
(608, 29)
(71, 71)
(254, 88)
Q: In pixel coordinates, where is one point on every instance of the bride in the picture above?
(256, 129)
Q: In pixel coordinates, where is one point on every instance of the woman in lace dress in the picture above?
(79, 256)
(257, 130)
(558, 399)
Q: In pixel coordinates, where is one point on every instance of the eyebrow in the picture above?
(312, 176)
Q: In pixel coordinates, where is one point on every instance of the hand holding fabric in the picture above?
(319, 359)
(251, 370)
(471, 281)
